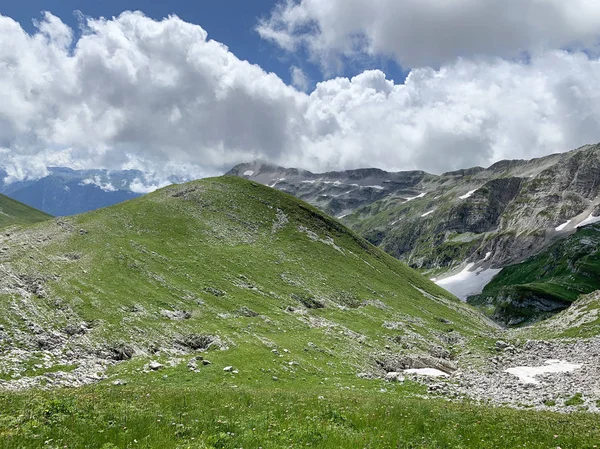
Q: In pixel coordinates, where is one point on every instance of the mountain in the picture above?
(222, 313)
(223, 261)
(15, 213)
(68, 192)
(547, 282)
(462, 227)
(336, 193)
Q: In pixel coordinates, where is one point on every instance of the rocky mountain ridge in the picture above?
(489, 218)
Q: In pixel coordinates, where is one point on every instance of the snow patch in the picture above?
(416, 197)
(431, 372)
(589, 220)
(375, 187)
(487, 255)
(467, 282)
(468, 194)
(308, 182)
(277, 182)
(248, 172)
(526, 374)
(563, 226)
(342, 216)
(427, 213)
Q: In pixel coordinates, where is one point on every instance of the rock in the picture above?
(119, 382)
(206, 362)
(121, 352)
(228, 369)
(275, 378)
(192, 366)
(214, 291)
(501, 345)
(246, 312)
(394, 376)
(196, 342)
(155, 366)
(176, 315)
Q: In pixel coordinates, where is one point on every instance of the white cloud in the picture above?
(158, 96)
(97, 181)
(145, 186)
(299, 78)
(429, 32)
(133, 87)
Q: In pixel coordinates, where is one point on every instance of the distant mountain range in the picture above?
(68, 192)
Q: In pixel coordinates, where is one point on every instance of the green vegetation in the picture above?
(195, 411)
(15, 213)
(576, 399)
(186, 259)
(285, 307)
(549, 281)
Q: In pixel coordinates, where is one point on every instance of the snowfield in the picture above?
(527, 374)
(416, 197)
(467, 282)
(589, 220)
(248, 172)
(467, 195)
(563, 226)
(431, 372)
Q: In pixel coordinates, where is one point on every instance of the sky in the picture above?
(191, 88)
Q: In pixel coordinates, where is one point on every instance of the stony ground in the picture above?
(486, 379)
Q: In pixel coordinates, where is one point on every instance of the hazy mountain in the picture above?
(67, 192)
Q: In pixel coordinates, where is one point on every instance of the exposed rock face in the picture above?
(547, 282)
(484, 211)
(337, 193)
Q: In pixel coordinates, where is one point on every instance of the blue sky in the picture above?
(231, 22)
(141, 92)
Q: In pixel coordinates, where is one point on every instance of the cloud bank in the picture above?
(161, 97)
(430, 32)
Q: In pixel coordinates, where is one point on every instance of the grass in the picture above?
(576, 399)
(187, 411)
(13, 212)
(124, 268)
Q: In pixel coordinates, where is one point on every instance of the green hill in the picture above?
(229, 258)
(15, 213)
(224, 314)
(545, 283)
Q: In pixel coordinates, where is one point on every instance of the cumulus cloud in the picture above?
(159, 96)
(429, 32)
(299, 78)
(133, 86)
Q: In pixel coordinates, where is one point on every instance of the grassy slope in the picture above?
(561, 273)
(580, 320)
(121, 266)
(15, 213)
